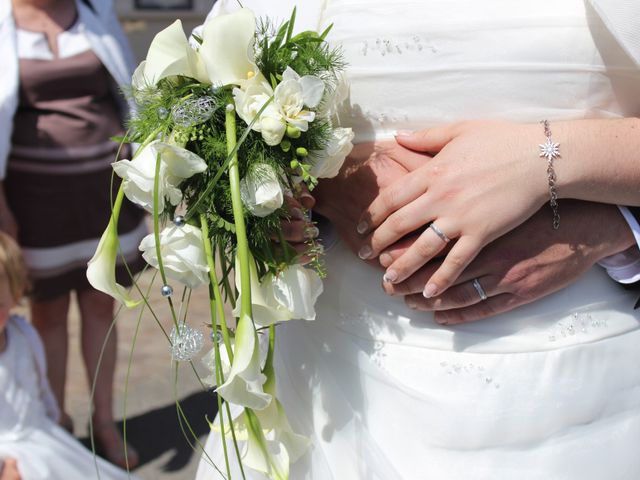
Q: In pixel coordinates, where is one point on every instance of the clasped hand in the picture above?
(485, 178)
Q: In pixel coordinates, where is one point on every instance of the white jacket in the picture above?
(107, 41)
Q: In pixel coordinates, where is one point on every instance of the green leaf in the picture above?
(326, 31)
(292, 21)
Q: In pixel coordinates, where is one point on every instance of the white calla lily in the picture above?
(138, 175)
(291, 294)
(261, 190)
(265, 308)
(169, 55)
(244, 383)
(227, 48)
(101, 269)
(183, 256)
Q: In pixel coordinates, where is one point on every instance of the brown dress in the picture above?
(59, 171)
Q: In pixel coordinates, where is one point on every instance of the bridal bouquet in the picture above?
(229, 123)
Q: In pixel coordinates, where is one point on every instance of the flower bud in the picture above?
(302, 152)
(285, 145)
(293, 132)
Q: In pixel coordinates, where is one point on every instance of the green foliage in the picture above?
(276, 49)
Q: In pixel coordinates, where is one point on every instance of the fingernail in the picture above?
(390, 276)
(403, 133)
(365, 252)
(362, 227)
(296, 214)
(311, 232)
(430, 290)
(441, 321)
(386, 259)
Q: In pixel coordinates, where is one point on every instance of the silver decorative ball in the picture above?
(186, 342)
(179, 221)
(163, 113)
(230, 107)
(166, 291)
(216, 337)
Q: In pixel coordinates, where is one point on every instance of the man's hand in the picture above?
(369, 168)
(522, 266)
(10, 470)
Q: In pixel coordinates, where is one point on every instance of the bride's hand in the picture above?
(485, 180)
(369, 168)
(522, 266)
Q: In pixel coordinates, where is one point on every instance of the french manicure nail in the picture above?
(365, 252)
(362, 227)
(430, 290)
(390, 276)
(403, 133)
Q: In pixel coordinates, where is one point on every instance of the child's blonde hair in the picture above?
(13, 267)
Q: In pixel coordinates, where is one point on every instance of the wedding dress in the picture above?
(550, 390)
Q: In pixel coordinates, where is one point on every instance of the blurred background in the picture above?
(142, 19)
(146, 392)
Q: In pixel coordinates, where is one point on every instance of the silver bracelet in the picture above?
(551, 151)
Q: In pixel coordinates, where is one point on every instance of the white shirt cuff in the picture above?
(624, 267)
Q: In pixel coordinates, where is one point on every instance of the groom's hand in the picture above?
(369, 168)
(522, 266)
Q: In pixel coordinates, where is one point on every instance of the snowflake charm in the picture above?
(186, 342)
(550, 150)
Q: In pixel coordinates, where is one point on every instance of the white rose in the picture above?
(182, 253)
(293, 93)
(138, 174)
(250, 99)
(327, 163)
(261, 191)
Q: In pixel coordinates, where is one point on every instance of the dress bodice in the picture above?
(442, 61)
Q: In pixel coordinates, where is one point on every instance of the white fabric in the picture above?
(548, 391)
(43, 450)
(624, 267)
(107, 41)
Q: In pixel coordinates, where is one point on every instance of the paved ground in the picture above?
(150, 400)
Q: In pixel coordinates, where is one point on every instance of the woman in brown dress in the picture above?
(71, 57)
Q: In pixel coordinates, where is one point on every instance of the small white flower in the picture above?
(327, 163)
(293, 93)
(261, 191)
(182, 253)
(138, 175)
(250, 99)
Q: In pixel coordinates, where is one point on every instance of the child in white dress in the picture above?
(30, 437)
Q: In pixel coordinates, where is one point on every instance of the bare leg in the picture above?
(50, 319)
(96, 310)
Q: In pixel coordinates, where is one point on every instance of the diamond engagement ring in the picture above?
(479, 289)
(439, 233)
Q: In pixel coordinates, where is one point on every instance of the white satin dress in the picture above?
(549, 391)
